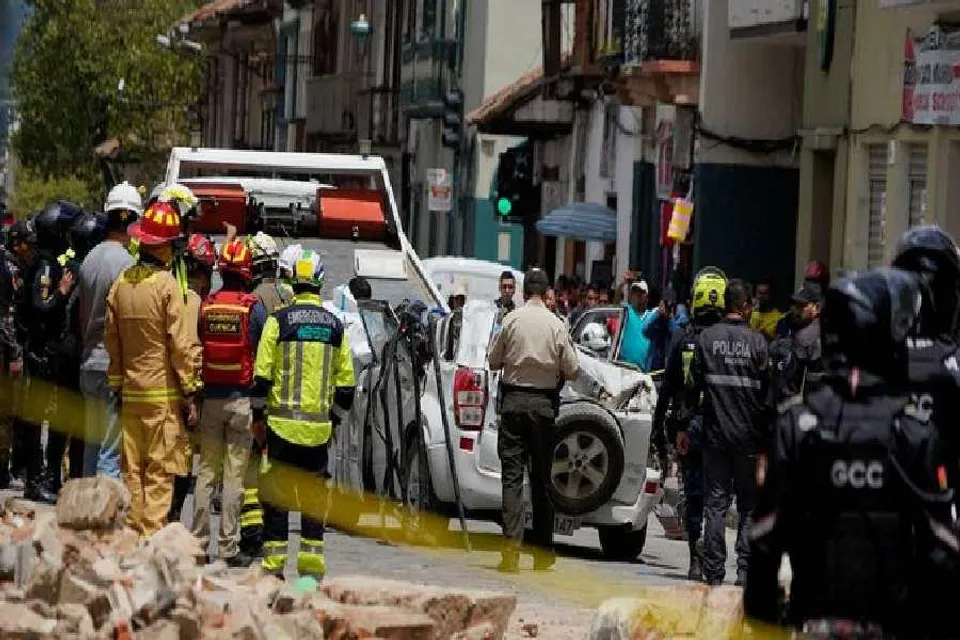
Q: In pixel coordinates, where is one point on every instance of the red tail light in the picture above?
(469, 398)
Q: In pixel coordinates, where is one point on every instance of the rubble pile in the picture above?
(76, 571)
(688, 611)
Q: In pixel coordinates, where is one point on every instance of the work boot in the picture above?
(36, 492)
(241, 560)
(696, 564)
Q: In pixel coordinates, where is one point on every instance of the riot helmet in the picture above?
(866, 319)
(53, 224)
(929, 252)
(87, 231)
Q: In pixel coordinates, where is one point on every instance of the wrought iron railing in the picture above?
(661, 30)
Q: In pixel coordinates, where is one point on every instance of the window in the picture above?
(326, 38)
(917, 184)
(876, 203)
(423, 20)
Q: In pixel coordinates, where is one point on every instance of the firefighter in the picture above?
(274, 295)
(304, 372)
(49, 288)
(231, 322)
(155, 365)
(199, 260)
(684, 427)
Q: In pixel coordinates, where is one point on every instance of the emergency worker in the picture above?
(49, 288)
(932, 255)
(537, 356)
(730, 370)
(678, 419)
(98, 271)
(200, 259)
(231, 322)
(853, 487)
(796, 362)
(304, 371)
(155, 365)
(88, 230)
(11, 349)
(273, 294)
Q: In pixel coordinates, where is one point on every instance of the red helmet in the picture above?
(200, 249)
(160, 224)
(816, 271)
(236, 257)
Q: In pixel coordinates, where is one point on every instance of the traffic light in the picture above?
(453, 119)
(515, 189)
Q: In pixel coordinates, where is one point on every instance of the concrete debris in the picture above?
(78, 572)
(689, 611)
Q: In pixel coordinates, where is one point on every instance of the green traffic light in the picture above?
(504, 206)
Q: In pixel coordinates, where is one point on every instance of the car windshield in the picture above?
(478, 320)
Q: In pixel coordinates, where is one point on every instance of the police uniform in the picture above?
(686, 417)
(730, 369)
(11, 352)
(536, 353)
(304, 367)
(854, 488)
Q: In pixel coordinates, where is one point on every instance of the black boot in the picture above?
(181, 487)
(696, 564)
(35, 490)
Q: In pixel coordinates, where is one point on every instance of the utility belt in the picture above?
(553, 395)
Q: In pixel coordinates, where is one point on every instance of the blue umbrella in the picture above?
(582, 221)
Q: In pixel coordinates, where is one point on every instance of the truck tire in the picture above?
(587, 461)
(622, 543)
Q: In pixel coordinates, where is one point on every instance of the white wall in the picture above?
(747, 90)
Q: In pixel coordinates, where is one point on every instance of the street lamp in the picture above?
(361, 30)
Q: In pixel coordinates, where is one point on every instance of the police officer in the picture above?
(536, 354)
(796, 361)
(685, 423)
(853, 486)
(931, 254)
(730, 369)
(49, 288)
(304, 372)
(11, 350)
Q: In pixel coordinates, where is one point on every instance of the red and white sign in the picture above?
(931, 78)
(439, 191)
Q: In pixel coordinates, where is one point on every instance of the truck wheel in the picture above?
(587, 460)
(421, 521)
(622, 543)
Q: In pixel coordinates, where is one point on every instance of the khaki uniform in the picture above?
(155, 361)
(536, 354)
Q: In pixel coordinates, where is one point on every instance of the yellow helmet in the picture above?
(709, 289)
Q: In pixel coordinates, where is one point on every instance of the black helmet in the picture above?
(53, 225)
(22, 231)
(932, 254)
(87, 231)
(866, 319)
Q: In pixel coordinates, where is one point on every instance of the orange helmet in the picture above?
(236, 257)
(160, 224)
(200, 250)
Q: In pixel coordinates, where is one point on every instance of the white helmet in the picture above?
(124, 197)
(289, 258)
(595, 337)
(264, 246)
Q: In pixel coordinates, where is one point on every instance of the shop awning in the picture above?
(580, 221)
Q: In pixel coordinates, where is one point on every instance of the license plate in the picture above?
(562, 525)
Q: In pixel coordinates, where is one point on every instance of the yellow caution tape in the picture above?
(343, 508)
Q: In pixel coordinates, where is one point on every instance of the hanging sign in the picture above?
(680, 220)
(931, 78)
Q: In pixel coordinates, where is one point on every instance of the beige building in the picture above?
(881, 148)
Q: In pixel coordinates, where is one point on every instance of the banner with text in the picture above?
(931, 78)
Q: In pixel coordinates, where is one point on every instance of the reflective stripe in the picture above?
(307, 544)
(130, 395)
(251, 496)
(298, 378)
(224, 367)
(324, 380)
(294, 414)
(742, 382)
(310, 559)
(251, 519)
(228, 307)
(274, 557)
(115, 382)
(285, 373)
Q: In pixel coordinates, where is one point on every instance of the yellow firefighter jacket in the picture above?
(155, 356)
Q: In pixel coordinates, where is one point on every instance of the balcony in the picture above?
(425, 75)
(773, 21)
(341, 107)
(668, 30)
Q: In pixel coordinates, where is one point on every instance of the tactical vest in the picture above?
(224, 326)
